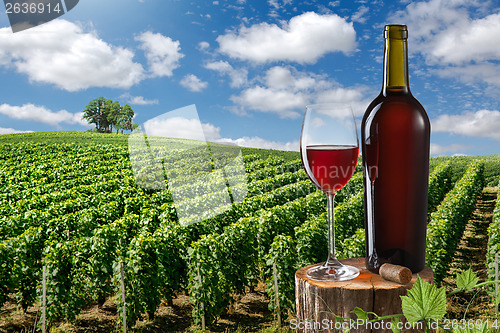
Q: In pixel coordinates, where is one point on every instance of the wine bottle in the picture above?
(395, 134)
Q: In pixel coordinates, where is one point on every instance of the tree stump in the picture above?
(318, 302)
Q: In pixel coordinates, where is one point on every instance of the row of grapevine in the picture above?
(440, 182)
(6, 283)
(34, 166)
(54, 177)
(494, 239)
(268, 172)
(448, 222)
(78, 211)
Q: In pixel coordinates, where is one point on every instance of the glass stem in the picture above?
(332, 260)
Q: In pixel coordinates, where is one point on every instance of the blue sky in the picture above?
(250, 67)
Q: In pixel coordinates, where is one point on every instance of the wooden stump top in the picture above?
(317, 301)
(365, 280)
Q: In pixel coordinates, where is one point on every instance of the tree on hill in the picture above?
(123, 120)
(106, 114)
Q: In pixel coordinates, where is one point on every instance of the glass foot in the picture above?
(332, 272)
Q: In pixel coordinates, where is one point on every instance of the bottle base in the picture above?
(395, 257)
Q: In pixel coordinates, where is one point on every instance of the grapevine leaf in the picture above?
(362, 314)
(466, 280)
(424, 302)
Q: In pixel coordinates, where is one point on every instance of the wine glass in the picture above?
(329, 149)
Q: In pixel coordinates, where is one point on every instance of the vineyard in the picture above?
(104, 223)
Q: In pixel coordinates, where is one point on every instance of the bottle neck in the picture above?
(395, 66)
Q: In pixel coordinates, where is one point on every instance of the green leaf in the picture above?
(424, 302)
(362, 314)
(467, 280)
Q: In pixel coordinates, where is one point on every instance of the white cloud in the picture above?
(456, 36)
(239, 77)
(286, 91)
(457, 149)
(41, 114)
(62, 53)
(138, 100)
(486, 72)
(483, 123)
(359, 15)
(278, 77)
(282, 102)
(203, 46)
(162, 53)
(354, 96)
(429, 19)
(476, 41)
(181, 127)
(304, 39)
(193, 83)
(194, 129)
(276, 3)
(4, 130)
(257, 142)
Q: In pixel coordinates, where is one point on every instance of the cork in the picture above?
(395, 273)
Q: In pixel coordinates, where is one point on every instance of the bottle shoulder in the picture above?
(394, 102)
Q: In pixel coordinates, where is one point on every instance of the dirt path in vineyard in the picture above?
(472, 253)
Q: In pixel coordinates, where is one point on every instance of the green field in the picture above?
(70, 201)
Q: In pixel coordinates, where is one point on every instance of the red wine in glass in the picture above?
(329, 149)
(332, 166)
